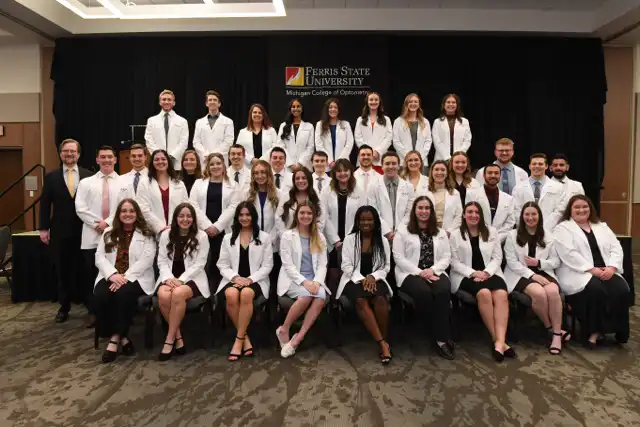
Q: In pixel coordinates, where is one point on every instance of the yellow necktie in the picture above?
(70, 185)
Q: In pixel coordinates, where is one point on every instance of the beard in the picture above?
(559, 174)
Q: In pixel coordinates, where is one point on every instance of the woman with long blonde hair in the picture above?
(411, 131)
(303, 250)
(446, 200)
(459, 175)
(412, 173)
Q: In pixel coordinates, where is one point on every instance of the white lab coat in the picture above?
(245, 138)
(379, 137)
(299, 147)
(461, 257)
(88, 203)
(552, 201)
(521, 175)
(207, 140)
(231, 197)
(402, 139)
(282, 226)
(571, 187)
(344, 141)
(244, 178)
(286, 179)
(517, 268)
(406, 253)
(142, 251)
(442, 137)
(378, 197)
(503, 221)
(126, 187)
(422, 189)
(174, 143)
(194, 264)
(452, 217)
(150, 200)
(329, 203)
(291, 255)
(269, 216)
(351, 264)
(260, 261)
(374, 179)
(326, 180)
(575, 255)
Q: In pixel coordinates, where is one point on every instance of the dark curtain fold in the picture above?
(546, 94)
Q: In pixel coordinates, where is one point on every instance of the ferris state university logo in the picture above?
(294, 76)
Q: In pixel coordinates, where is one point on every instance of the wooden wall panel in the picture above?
(12, 135)
(31, 155)
(615, 215)
(635, 224)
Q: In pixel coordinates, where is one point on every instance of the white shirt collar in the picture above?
(74, 168)
(143, 171)
(111, 175)
(171, 113)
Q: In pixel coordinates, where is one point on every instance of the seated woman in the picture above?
(366, 261)
(301, 191)
(302, 277)
(531, 260)
(476, 255)
(422, 254)
(590, 272)
(246, 259)
(182, 256)
(124, 259)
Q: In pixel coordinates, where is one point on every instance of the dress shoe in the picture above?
(62, 317)
(128, 349)
(510, 353)
(109, 356)
(90, 321)
(445, 351)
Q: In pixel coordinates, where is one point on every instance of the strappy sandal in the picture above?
(248, 352)
(385, 360)
(109, 356)
(237, 356)
(555, 351)
(181, 351)
(163, 357)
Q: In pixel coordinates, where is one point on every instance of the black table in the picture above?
(627, 265)
(33, 272)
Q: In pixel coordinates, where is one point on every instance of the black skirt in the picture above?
(354, 291)
(524, 282)
(255, 286)
(493, 283)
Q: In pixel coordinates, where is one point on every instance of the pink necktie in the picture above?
(105, 197)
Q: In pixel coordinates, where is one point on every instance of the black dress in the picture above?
(214, 210)
(178, 268)
(493, 283)
(257, 145)
(354, 291)
(335, 258)
(244, 270)
(522, 284)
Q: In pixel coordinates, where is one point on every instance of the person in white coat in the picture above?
(412, 173)
(124, 260)
(411, 131)
(539, 188)
(138, 160)
(301, 191)
(237, 171)
(214, 132)
(393, 198)
(446, 200)
(282, 177)
(245, 262)
(161, 192)
(590, 274)
(497, 206)
(297, 137)
(459, 175)
(531, 261)
(476, 256)
(258, 137)
(367, 175)
(182, 255)
(451, 131)
(340, 202)
(303, 250)
(96, 200)
(215, 198)
(559, 168)
(373, 128)
(191, 168)
(366, 261)
(333, 135)
(511, 174)
(320, 175)
(167, 130)
(422, 255)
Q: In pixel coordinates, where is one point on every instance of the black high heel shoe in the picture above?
(180, 351)
(109, 356)
(555, 351)
(510, 353)
(128, 349)
(385, 360)
(163, 357)
(234, 355)
(497, 356)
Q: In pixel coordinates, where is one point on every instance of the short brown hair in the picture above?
(107, 148)
(69, 141)
(138, 146)
(538, 156)
(167, 92)
(213, 93)
(505, 141)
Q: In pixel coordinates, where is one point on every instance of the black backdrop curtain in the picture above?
(546, 94)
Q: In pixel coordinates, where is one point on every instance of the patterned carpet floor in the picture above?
(50, 375)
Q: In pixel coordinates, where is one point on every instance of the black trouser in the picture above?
(433, 301)
(115, 310)
(215, 245)
(69, 265)
(603, 306)
(90, 274)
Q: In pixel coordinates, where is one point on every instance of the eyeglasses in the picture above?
(509, 150)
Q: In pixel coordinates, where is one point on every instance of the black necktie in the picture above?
(278, 180)
(237, 178)
(166, 128)
(136, 180)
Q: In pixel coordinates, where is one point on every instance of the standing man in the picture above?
(282, 177)
(167, 130)
(138, 172)
(96, 202)
(559, 168)
(321, 179)
(510, 174)
(366, 175)
(214, 132)
(63, 230)
(237, 172)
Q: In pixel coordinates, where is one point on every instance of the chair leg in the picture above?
(148, 329)
(211, 321)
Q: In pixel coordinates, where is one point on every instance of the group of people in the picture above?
(287, 214)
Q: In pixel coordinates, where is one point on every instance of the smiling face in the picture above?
(343, 174)
(504, 153)
(300, 181)
(365, 158)
(439, 173)
(160, 162)
(366, 222)
(296, 108)
(492, 175)
(333, 110)
(423, 211)
(256, 116)
(472, 216)
(216, 167)
(167, 102)
(245, 218)
(127, 214)
(413, 104)
(305, 216)
(69, 153)
(236, 157)
(319, 164)
(530, 217)
(373, 101)
(390, 167)
(580, 211)
(213, 104)
(450, 106)
(538, 167)
(559, 168)
(189, 162)
(459, 164)
(278, 160)
(138, 158)
(260, 174)
(106, 160)
(414, 162)
(185, 219)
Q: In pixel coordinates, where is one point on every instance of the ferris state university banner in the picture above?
(314, 68)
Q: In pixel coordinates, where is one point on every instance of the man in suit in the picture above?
(62, 231)
(214, 132)
(167, 130)
(559, 168)
(511, 174)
